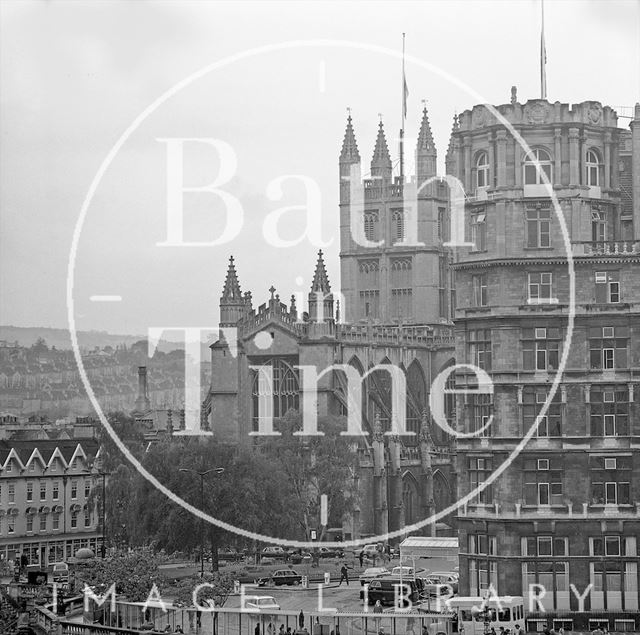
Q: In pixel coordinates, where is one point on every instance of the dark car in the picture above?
(297, 557)
(281, 577)
(384, 589)
(328, 552)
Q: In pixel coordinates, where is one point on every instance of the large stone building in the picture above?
(396, 299)
(566, 510)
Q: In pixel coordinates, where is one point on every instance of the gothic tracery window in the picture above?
(284, 387)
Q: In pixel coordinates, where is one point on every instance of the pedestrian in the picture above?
(425, 630)
(344, 575)
(561, 631)
(256, 630)
(198, 619)
(361, 557)
(517, 630)
(378, 607)
(289, 630)
(179, 630)
(281, 631)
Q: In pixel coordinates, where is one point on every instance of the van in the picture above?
(385, 590)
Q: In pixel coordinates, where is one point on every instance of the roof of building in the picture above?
(429, 542)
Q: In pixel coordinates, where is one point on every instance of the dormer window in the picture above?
(482, 170)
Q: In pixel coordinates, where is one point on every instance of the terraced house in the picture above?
(47, 510)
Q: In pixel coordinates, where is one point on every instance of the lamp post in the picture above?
(202, 474)
(103, 548)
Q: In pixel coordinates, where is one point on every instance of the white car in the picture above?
(261, 603)
(372, 573)
(405, 572)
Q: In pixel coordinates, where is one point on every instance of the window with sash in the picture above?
(540, 288)
(541, 348)
(538, 228)
(479, 231)
(479, 347)
(609, 411)
(608, 347)
(479, 284)
(543, 481)
(610, 480)
(607, 287)
(479, 471)
(481, 406)
(533, 400)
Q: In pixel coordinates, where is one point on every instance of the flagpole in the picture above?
(402, 119)
(543, 58)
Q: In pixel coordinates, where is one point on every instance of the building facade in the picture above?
(396, 299)
(47, 507)
(566, 508)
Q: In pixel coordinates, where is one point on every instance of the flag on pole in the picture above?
(543, 59)
(405, 90)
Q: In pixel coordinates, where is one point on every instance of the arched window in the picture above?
(593, 168)
(371, 225)
(398, 225)
(531, 174)
(410, 499)
(482, 170)
(284, 389)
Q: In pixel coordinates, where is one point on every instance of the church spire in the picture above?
(320, 296)
(426, 155)
(320, 277)
(425, 137)
(349, 153)
(232, 302)
(381, 162)
(231, 289)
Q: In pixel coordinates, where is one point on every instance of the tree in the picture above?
(134, 573)
(314, 466)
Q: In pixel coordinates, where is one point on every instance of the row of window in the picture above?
(531, 174)
(42, 490)
(9, 523)
(539, 288)
(537, 227)
(543, 480)
(541, 546)
(607, 345)
(371, 225)
(76, 464)
(608, 411)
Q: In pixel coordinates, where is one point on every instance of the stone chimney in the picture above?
(142, 401)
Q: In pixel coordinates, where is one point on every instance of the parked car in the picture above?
(372, 573)
(445, 577)
(328, 552)
(405, 572)
(384, 589)
(281, 577)
(297, 557)
(274, 552)
(230, 555)
(264, 603)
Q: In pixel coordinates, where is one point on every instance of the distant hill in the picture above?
(60, 338)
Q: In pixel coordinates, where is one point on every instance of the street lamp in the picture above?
(202, 474)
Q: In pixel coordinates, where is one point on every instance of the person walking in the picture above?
(378, 607)
(361, 557)
(344, 575)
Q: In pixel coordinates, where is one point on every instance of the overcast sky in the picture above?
(74, 75)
